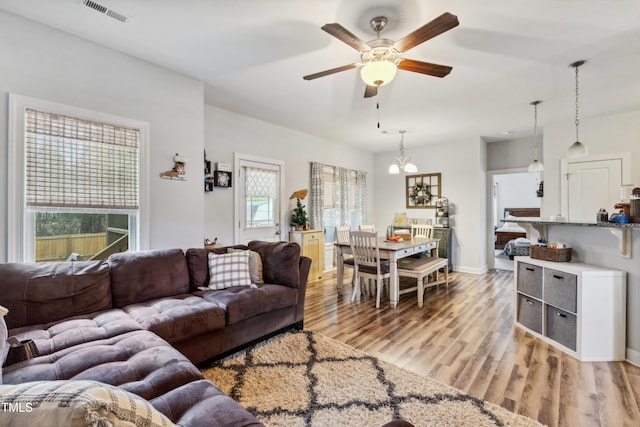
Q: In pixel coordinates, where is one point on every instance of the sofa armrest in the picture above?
(304, 265)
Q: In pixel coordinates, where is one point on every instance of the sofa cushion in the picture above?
(198, 264)
(243, 302)
(279, 262)
(52, 337)
(200, 403)
(178, 318)
(76, 403)
(142, 276)
(139, 362)
(45, 292)
(230, 269)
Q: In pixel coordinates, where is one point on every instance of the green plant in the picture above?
(299, 214)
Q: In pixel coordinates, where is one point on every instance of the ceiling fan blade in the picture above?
(331, 71)
(442, 23)
(436, 70)
(344, 35)
(370, 91)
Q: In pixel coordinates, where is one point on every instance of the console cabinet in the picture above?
(312, 245)
(578, 308)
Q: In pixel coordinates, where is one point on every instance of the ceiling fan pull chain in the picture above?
(378, 108)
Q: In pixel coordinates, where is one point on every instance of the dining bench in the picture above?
(420, 268)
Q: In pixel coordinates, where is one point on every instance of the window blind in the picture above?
(261, 183)
(76, 163)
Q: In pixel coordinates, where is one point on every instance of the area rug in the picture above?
(303, 379)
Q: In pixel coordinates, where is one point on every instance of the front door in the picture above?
(258, 200)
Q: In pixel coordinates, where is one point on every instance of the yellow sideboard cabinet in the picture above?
(312, 244)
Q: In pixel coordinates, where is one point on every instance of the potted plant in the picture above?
(299, 217)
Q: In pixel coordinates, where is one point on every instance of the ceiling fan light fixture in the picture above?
(378, 73)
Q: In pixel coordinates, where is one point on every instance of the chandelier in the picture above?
(403, 162)
(535, 165)
(577, 149)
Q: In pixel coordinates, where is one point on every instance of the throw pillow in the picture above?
(75, 403)
(227, 270)
(4, 345)
(255, 266)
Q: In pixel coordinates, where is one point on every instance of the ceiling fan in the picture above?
(380, 57)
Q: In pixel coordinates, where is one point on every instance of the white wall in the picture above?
(512, 153)
(604, 134)
(48, 64)
(515, 190)
(462, 165)
(226, 132)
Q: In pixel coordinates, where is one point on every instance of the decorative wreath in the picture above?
(420, 194)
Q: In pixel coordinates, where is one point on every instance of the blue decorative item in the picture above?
(619, 218)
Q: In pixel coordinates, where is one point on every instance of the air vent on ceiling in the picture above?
(105, 10)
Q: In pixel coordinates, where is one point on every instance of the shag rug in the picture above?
(303, 378)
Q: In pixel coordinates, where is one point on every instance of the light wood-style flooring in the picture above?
(464, 336)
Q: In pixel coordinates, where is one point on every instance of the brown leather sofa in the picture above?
(139, 321)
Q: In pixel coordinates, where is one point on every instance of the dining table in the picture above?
(391, 251)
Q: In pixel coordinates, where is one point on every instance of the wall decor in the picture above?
(423, 190)
(208, 177)
(222, 179)
(178, 170)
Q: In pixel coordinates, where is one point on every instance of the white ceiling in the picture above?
(252, 54)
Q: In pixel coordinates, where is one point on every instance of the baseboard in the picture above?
(472, 270)
(633, 356)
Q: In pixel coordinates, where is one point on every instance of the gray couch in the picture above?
(140, 322)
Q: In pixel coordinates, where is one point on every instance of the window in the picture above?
(261, 192)
(344, 198)
(77, 178)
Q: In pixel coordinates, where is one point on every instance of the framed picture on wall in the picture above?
(222, 179)
(423, 190)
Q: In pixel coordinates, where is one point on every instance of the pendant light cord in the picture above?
(577, 117)
(535, 130)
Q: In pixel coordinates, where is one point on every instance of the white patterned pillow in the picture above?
(227, 270)
(255, 265)
(4, 345)
(75, 403)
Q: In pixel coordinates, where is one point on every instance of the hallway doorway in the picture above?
(510, 189)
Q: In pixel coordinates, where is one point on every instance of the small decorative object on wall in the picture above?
(178, 170)
(222, 179)
(208, 178)
(299, 218)
(422, 190)
(540, 190)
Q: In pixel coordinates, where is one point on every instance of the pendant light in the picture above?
(577, 149)
(402, 163)
(535, 165)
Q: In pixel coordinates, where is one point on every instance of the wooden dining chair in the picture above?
(342, 237)
(366, 257)
(424, 231)
(367, 227)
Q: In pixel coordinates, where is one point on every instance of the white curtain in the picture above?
(338, 198)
